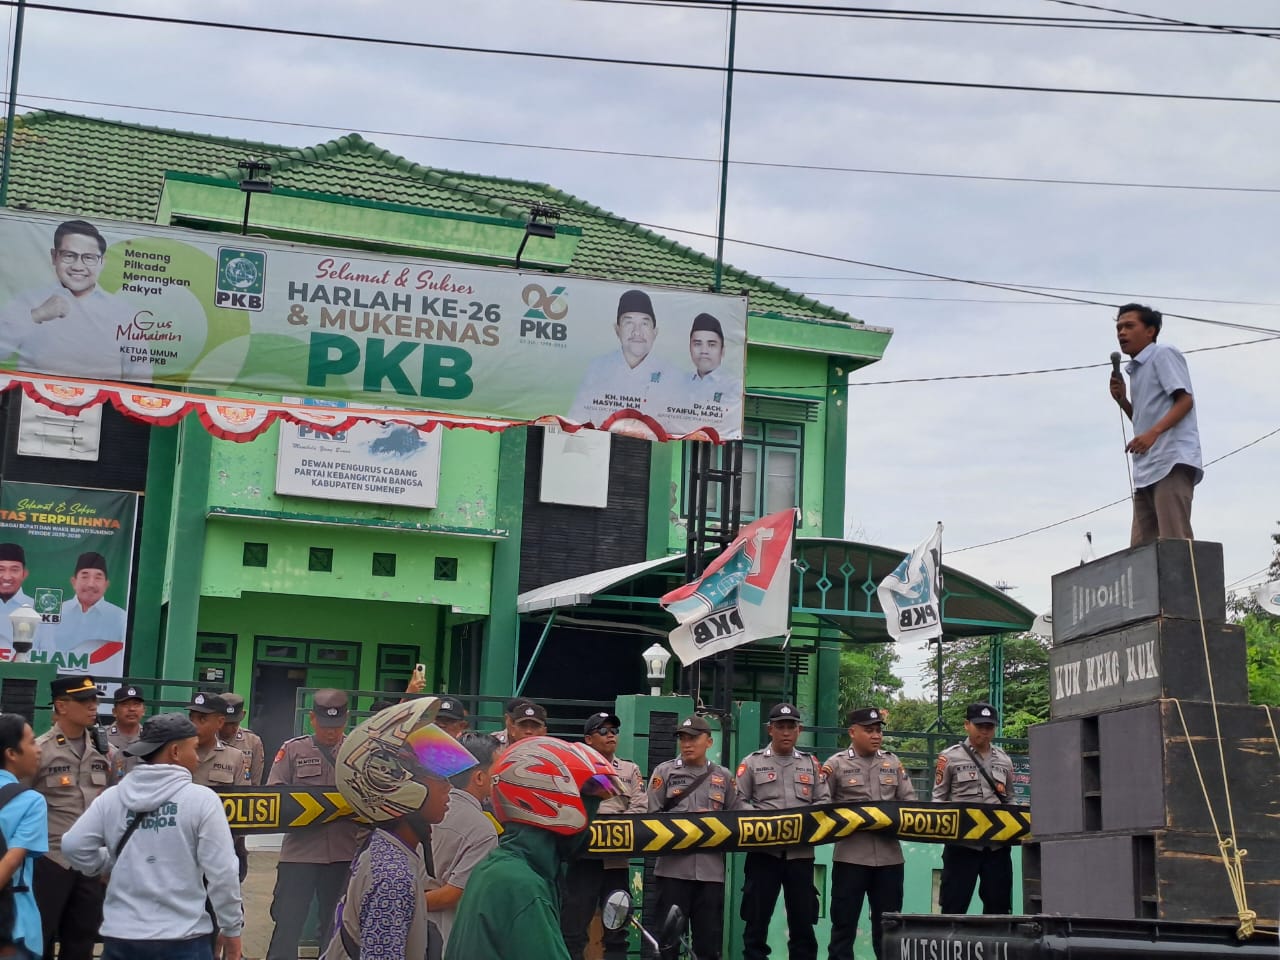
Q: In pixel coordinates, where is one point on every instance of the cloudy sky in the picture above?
(992, 458)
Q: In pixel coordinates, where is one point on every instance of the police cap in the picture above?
(785, 711)
(329, 707)
(981, 713)
(866, 717)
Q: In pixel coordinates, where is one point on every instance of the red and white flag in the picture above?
(743, 595)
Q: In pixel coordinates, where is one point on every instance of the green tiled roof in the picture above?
(111, 169)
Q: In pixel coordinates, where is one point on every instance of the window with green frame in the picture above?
(772, 469)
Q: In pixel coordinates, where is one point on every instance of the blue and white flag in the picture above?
(911, 596)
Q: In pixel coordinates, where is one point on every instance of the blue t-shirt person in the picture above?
(24, 821)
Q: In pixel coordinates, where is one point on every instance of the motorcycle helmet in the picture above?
(541, 781)
(383, 763)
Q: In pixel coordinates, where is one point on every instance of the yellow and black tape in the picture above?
(641, 834)
(276, 809)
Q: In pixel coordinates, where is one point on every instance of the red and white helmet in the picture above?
(541, 781)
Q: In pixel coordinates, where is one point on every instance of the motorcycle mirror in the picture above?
(616, 910)
(673, 925)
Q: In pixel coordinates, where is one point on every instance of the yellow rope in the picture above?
(1272, 724)
(1232, 855)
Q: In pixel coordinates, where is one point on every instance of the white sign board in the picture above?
(369, 463)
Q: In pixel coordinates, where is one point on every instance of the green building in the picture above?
(499, 587)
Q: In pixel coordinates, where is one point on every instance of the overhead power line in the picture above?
(632, 154)
(614, 218)
(943, 16)
(628, 62)
(1106, 506)
(1029, 373)
(1270, 32)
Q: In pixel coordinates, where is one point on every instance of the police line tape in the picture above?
(276, 809)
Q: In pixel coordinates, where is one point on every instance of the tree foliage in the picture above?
(1262, 650)
(867, 677)
(966, 678)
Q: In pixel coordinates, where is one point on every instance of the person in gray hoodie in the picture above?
(163, 840)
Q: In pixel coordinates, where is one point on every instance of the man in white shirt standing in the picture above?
(622, 380)
(74, 327)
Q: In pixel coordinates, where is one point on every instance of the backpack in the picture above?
(8, 904)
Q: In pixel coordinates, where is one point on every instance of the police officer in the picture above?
(522, 718)
(127, 712)
(589, 880)
(220, 765)
(693, 881)
(975, 771)
(235, 734)
(76, 764)
(314, 861)
(452, 717)
(865, 864)
(780, 777)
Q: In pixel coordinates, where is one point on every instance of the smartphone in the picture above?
(420, 671)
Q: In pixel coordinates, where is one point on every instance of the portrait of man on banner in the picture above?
(68, 552)
(71, 325)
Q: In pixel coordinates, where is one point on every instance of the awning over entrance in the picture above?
(833, 586)
(578, 591)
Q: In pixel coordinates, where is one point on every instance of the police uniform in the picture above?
(221, 766)
(693, 881)
(71, 774)
(117, 737)
(769, 781)
(588, 880)
(314, 860)
(244, 739)
(865, 864)
(958, 778)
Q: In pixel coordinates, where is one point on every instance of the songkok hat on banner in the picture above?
(705, 321)
(12, 552)
(636, 301)
(91, 561)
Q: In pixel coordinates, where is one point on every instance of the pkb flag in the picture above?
(911, 596)
(1268, 597)
(744, 594)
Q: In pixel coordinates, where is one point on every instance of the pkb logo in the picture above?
(242, 275)
(541, 320)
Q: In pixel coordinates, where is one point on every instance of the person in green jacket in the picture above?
(545, 791)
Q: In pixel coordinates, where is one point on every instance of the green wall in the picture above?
(350, 621)
(288, 553)
(243, 477)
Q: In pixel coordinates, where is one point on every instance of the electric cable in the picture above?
(634, 154)
(618, 61)
(1106, 506)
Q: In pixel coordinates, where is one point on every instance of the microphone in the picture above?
(1115, 364)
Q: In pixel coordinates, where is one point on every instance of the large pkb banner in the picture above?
(68, 552)
(177, 308)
